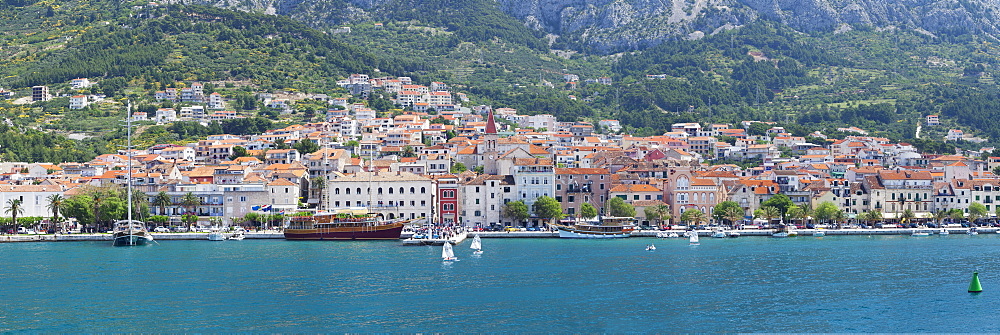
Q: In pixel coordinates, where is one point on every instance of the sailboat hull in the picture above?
(130, 240)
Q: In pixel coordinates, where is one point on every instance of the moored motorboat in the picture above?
(819, 233)
(944, 232)
(719, 233)
(216, 235)
(918, 233)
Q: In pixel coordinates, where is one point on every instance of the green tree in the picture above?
(976, 211)
(190, 202)
(162, 200)
(306, 146)
(280, 144)
(906, 216)
(940, 215)
(662, 211)
(587, 210)
(548, 208)
(825, 211)
(733, 214)
(238, 152)
(55, 201)
(795, 213)
(618, 207)
(779, 201)
(694, 216)
(720, 211)
(770, 213)
(14, 208)
(458, 167)
(159, 220)
(516, 211)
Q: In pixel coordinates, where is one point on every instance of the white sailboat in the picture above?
(477, 245)
(694, 238)
(446, 253)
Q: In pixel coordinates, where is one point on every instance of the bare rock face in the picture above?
(613, 25)
(622, 25)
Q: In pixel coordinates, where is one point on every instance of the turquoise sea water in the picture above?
(804, 284)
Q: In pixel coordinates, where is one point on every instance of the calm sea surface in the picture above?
(750, 284)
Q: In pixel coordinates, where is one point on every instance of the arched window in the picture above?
(683, 183)
(423, 190)
(412, 190)
(390, 190)
(359, 190)
(347, 191)
(379, 190)
(336, 190)
(401, 191)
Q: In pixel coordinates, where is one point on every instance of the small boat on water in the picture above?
(607, 227)
(216, 235)
(447, 254)
(719, 233)
(237, 236)
(673, 235)
(819, 233)
(780, 234)
(477, 245)
(943, 232)
(917, 233)
(693, 239)
(972, 231)
(650, 247)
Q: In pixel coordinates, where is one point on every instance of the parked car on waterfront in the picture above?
(161, 229)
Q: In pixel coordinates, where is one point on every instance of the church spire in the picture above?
(491, 124)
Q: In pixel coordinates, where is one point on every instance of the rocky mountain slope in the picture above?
(607, 26)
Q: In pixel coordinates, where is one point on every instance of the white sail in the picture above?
(446, 252)
(694, 237)
(476, 244)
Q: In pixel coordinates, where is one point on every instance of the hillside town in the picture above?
(437, 161)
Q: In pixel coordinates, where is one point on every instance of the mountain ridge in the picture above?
(609, 26)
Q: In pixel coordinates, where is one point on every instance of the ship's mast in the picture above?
(128, 153)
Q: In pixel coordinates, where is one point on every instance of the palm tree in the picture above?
(906, 216)
(14, 208)
(662, 211)
(733, 214)
(694, 216)
(795, 213)
(940, 215)
(98, 198)
(55, 201)
(769, 213)
(190, 202)
(162, 200)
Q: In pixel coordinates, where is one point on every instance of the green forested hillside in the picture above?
(882, 81)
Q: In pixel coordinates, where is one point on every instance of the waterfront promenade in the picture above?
(273, 234)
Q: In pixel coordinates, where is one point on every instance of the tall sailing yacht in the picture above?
(130, 232)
